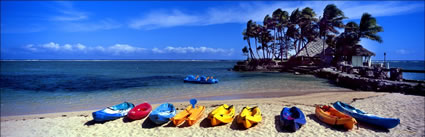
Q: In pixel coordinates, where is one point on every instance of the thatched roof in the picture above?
(358, 50)
(313, 48)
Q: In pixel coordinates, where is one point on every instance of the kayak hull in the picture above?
(222, 114)
(249, 116)
(292, 119)
(162, 113)
(332, 116)
(140, 111)
(365, 117)
(113, 112)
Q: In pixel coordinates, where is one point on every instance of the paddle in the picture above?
(193, 102)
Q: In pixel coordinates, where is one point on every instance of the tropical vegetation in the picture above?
(283, 33)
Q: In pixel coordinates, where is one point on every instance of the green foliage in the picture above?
(282, 32)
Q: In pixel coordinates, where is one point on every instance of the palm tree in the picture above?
(245, 52)
(293, 30)
(332, 19)
(267, 24)
(353, 33)
(280, 19)
(247, 34)
(369, 28)
(307, 25)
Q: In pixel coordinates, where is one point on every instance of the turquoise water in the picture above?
(29, 87)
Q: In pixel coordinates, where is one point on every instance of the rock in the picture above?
(396, 74)
(296, 73)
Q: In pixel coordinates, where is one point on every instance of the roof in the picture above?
(358, 50)
(313, 48)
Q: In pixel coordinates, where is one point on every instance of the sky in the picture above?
(180, 29)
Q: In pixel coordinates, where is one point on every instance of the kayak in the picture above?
(332, 116)
(249, 116)
(195, 115)
(292, 118)
(140, 111)
(112, 112)
(162, 113)
(190, 115)
(200, 80)
(366, 117)
(222, 114)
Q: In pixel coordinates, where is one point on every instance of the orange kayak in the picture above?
(189, 114)
(332, 116)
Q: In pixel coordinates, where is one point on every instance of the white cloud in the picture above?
(68, 12)
(51, 45)
(402, 51)
(31, 47)
(257, 10)
(122, 49)
(116, 49)
(165, 19)
(184, 50)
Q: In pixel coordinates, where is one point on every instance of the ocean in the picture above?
(32, 87)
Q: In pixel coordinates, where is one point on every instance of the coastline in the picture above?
(267, 93)
(382, 104)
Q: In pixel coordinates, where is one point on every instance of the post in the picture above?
(385, 54)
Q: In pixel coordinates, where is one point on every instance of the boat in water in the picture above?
(200, 79)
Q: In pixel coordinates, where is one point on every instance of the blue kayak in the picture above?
(113, 112)
(365, 117)
(200, 80)
(292, 119)
(162, 113)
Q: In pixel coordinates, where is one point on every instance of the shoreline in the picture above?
(268, 93)
(410, 109)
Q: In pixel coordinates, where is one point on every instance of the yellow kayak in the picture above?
(249, 116)
(222, 114)
(189, 114)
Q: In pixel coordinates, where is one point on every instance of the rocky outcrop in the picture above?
(358, 82)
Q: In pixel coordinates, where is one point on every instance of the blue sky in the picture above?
(180, 30)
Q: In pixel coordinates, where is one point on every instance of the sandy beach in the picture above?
(410, 110)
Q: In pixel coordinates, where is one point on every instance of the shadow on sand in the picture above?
(372, 127)
(278, 127)
(148, 123)
(93, 122)
(205, 123)
(127, 120)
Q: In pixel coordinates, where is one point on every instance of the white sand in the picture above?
(410, 109)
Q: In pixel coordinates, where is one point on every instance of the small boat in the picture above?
(222, 114)
(140, 111)
(112, 112)
(292, 118)
(200, 80)
(190, 115)
(249, 116)
(366, 117)
(332, 116)
(162, 113)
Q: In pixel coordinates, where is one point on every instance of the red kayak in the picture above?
(140, 111)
